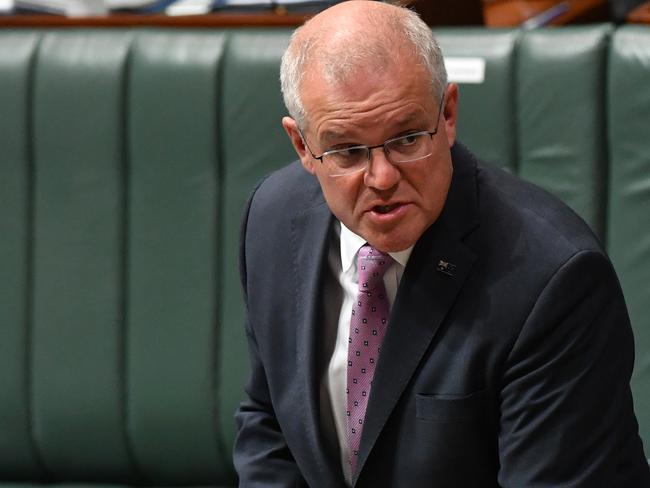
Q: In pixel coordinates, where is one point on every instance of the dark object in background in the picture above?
(621, 8)
(310, 7)
(448, 12)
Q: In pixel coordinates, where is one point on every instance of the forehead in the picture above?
(369, 100)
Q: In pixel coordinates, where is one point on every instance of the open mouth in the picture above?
(384, 209)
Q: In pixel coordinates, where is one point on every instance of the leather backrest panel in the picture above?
(628, 223)
(17, 52)
(174, 201)
(486, 118)
(78, 304)
(254, 144)
(561, 116)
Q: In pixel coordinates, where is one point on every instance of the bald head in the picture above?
(354, 36)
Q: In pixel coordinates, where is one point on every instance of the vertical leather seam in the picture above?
(123, 365)
(219, 282)
(30, 265)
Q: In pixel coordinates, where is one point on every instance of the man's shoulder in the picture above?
(287, 189)
(523, 234)
(530, 212)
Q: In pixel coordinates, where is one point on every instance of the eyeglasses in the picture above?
(403, 149)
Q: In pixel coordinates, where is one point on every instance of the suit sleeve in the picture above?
(566, 407)
(261, 455)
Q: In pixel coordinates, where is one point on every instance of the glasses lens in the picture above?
(410, 147)
(347, 160)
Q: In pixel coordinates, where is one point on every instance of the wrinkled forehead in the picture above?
(346, 73)
(354, 81)
(395, 97)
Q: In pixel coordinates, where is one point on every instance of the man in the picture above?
(416, 318)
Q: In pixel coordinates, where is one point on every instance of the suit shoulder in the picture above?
(286, 190)
(532, 210)
(278, 199)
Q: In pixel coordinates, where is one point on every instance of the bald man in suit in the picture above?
(492, 348)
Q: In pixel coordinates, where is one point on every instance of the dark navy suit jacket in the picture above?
(510, 368)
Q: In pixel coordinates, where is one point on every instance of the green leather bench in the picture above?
(126, 156)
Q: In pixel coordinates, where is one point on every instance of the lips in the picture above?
(384, 209)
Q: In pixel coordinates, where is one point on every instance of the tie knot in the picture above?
(372, 264)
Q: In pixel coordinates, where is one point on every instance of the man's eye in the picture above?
(408, 140)
(352, 152)
(347, 157)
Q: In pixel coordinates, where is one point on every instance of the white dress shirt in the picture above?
(343, 266)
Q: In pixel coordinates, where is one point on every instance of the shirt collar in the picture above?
(351, 243)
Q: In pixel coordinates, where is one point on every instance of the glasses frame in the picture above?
(384, 145)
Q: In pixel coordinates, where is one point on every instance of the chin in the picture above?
(391, 244)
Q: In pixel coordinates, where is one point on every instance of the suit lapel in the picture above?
(427, 291)
(310, 231)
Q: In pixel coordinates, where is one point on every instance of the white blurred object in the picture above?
(71, 8)
(6, 6)
(83, 8)
(189, 7)
(465, 70)
(114, 4)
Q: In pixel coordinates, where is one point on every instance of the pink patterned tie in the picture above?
(367, 327)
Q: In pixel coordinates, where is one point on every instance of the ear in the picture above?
(450, 112)
(291, 128)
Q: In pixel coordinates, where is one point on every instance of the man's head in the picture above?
(362, 73)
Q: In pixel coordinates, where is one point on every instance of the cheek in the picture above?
(341, 196)
(336, 193)
(433, 188)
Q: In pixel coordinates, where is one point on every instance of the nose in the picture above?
(381, 173)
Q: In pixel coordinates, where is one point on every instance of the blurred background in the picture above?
(490, 13)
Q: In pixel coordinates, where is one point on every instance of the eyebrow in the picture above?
(409, 119)
(332, 136)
